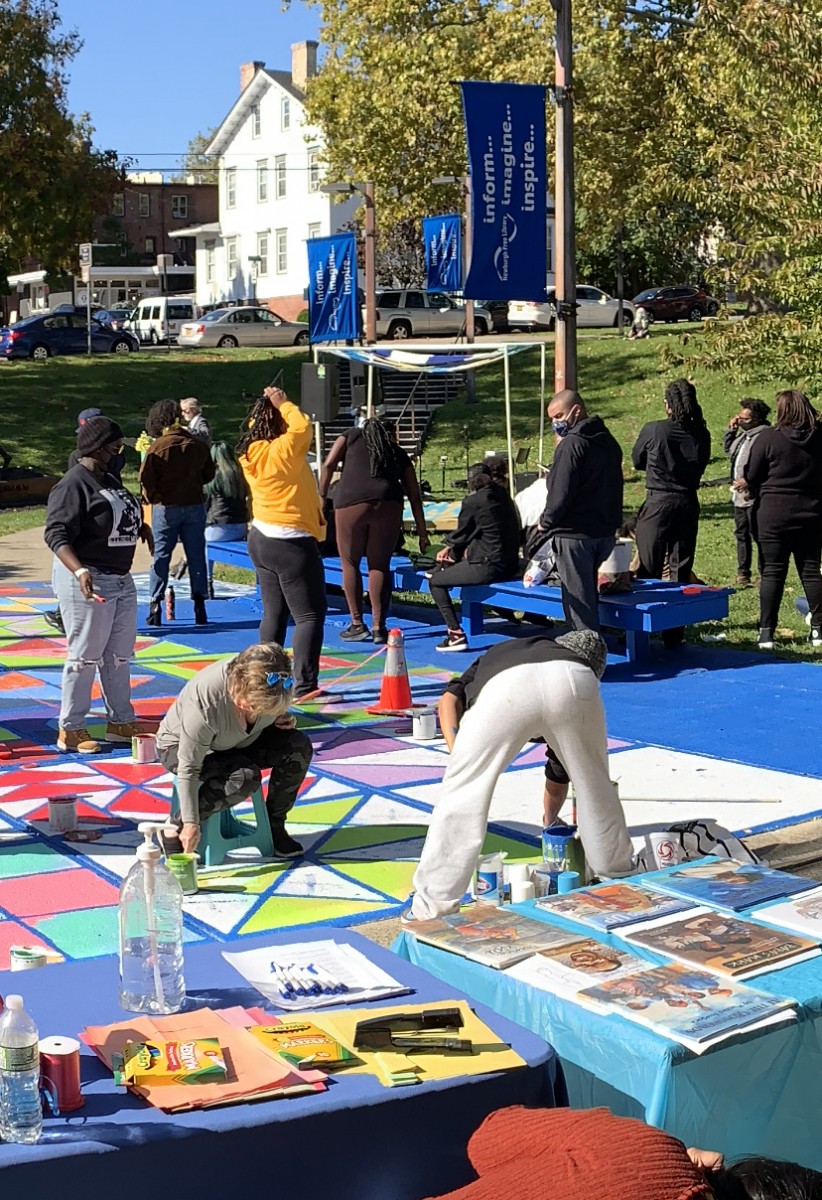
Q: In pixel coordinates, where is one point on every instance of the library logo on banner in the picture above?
(443, 252)
(332, 292)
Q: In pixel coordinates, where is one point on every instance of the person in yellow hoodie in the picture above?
(286, 529)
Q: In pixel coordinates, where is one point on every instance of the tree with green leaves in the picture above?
(197, 162)
(53, 183)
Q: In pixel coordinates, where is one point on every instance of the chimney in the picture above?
(247, 72)
(303, 63)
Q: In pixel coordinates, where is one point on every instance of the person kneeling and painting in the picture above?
(519, 691)
(229, 722)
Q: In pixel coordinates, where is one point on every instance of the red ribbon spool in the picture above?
(60, 1072)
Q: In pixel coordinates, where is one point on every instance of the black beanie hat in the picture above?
(96, 433)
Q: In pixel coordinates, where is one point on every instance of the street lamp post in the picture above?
(565, 349)
(470, 327)
(366, 190)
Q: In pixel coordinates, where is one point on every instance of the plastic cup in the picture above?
(184, 868)
(665, 849)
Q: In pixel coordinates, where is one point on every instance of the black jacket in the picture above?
(673, 456)
(488, 530)
(784, 475)
(585, 483)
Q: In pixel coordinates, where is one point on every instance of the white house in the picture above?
(269, 192)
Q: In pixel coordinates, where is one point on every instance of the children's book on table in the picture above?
(726, 883)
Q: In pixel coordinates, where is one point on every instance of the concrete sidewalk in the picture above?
(25, 557)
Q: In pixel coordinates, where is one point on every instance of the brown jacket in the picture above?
(175, 469)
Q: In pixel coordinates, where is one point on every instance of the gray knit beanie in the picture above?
(588, 646)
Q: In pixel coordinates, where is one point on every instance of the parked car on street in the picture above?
(160, 318)
(679, 303)
(62, 333)
(246, 326)
(412, 312)
(595, 310)
(115, 317)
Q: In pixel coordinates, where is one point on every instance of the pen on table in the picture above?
(286, 988)
(297, 983)
(312, 988)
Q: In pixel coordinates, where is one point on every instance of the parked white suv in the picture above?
(411, 312)
(595, 309)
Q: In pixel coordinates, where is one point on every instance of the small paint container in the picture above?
(544, 877)
(62, 814)
(489, 882)
(184, 868)
(521, 890)
(567, 881)
(144, 748)
(60, 1073)
(424, 725)
(26, 958)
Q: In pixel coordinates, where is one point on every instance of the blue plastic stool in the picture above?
(223, 831)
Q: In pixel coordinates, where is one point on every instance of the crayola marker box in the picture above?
(195, 1061)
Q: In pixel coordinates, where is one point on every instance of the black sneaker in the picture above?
(454, 640)
(285, 846)
(379, 637)
(356, 633)
(54, 618)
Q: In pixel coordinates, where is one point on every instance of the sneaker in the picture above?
(454, 640)
(379, 637)
(285, 846)
(126, 731)
(200, 614)
(54, 618)
(815, 637)
(76, 741)
(356, 633)
(765, 640)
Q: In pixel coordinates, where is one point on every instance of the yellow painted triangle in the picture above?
(393, 878)
(324, 812)
(287, 911)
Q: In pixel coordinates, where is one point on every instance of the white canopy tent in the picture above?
(448, 358)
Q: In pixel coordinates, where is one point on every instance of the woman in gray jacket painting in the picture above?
(229, 722)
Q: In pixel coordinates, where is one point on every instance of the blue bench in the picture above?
(652, 607)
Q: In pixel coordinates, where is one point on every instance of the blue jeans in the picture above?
(184, 523)
(99, 637)
(226, 533)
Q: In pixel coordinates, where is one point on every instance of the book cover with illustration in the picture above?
(688, 1005)
(566, 970)
(496, 937)
(726, 883)
(723, 943)
(609, 906)
(801, 915)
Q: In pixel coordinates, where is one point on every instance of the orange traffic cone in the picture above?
(395, 692)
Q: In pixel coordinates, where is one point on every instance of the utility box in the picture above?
(320, 390)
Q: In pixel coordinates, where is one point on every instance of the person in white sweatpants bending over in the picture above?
(520, 690)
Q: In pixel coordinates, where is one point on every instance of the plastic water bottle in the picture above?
(151, 933)
(170, 604)
(21, 1112)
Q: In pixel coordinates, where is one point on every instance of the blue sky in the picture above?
(152, 73)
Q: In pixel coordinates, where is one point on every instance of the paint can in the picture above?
(424, 725)
(184, 868)
(60, 1073)
(567, 881)
(62, 814)
(27, 958)
(521, 890)
(144, 748)
(489, 882)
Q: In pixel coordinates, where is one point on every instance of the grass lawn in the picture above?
(621, 381)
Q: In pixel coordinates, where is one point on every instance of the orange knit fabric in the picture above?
(564, 1154)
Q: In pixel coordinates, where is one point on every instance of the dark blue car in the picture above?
(40, 337)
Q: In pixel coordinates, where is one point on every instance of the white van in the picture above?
(160, 318)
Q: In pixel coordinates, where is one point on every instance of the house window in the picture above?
(282, 251)
(179, 207)
(314, 230)
(231, 253)
(231, 187)
(145, 204)
(118, 205)
(150, 245)
(211, 264)
(279, 175)
(256, 125)
(314, 170)
(262, 253)
(285, 114)
(262, 180)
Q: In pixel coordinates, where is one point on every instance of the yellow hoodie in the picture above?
(282, 485)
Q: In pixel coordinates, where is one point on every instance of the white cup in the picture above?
(665, 849)
(517, 873)
(522, 889)
(424, 726)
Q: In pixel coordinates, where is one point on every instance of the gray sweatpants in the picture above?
(559, 701)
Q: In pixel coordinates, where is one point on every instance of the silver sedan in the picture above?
(246, 326)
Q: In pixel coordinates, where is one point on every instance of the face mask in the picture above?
(560, 428)
(745, 423)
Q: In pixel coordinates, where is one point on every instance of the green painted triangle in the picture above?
(516, 851)
(393, 878)
(168, 650)
(355, 836)
(251, 879)
(324, 812)
(286, 911)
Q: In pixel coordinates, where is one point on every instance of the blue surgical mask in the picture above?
(560, 428)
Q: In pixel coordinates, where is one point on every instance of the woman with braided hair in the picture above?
(674, 454)
(286, 528)
(368, 501)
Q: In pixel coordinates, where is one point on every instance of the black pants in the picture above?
(460, 574)
(369, 529)
(745, 533)
(229, 776)
(806, 550)
(578, 560)
(292, 581)
(667, 527)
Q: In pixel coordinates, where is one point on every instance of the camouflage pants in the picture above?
(229, 776)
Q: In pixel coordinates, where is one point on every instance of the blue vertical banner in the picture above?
(443, 253)
(333, 312)
(505, 132)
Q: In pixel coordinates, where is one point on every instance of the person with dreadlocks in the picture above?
(368, 501)
(784, 476)
(673, 453)
(286, 528)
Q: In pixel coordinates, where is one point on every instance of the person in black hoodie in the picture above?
(784, 476)
(483, 548)
(584, 507)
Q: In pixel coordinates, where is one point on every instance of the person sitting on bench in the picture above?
(227, 724)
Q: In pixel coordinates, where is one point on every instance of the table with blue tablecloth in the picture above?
(758, 1093)
(354, 1141)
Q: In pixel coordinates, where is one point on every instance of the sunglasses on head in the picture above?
(283, 678)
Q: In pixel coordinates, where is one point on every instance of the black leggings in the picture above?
(292, 582)
(806, 550)
(369, 529)
(460, 574)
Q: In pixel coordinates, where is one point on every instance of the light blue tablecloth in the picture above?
(756, 1094)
